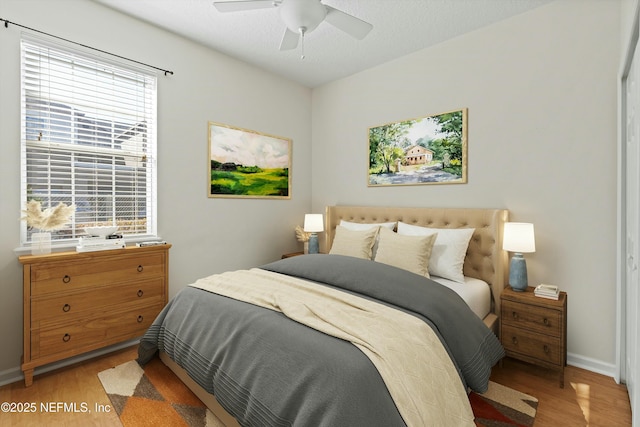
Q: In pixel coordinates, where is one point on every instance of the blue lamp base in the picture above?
(518, 273)
(314, 247)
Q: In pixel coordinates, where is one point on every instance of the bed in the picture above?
(331, 339)
(484, 259)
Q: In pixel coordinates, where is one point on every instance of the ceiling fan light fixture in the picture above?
(301, 17)
(302, 13)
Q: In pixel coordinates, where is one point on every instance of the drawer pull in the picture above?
(545, 321)
(66, 337)
(514, 340)
(515, 315)
(66, 308)
(546, 349)
(140, 268)
(66, 278)
(140, 293)
(140, 319)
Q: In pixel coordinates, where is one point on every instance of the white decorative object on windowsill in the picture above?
(101, 231)
(41, 243)
(45, 221)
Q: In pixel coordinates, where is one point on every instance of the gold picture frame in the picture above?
(248, 164)
(425, 150)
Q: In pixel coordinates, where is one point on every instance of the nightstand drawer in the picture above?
(534, 345)
(539, 319)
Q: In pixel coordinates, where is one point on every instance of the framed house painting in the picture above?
(426, 150)
(248, 164)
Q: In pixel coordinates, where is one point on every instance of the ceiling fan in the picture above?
(301, 17)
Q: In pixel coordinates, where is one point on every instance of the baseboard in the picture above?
(13, 375)
(9, 376)
(592, 365)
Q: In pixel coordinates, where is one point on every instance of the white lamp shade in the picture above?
(313, 223)
(518, 237)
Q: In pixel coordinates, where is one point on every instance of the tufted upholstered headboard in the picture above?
(485, 260)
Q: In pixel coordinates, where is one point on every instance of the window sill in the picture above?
(71, 245)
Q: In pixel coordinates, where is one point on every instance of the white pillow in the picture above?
(407, 252)
(353, 243)
(449, 250)
(359, 226)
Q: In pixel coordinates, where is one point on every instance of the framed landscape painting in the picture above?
(426, 150)
(246, 163)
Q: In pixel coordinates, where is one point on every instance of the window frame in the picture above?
(115, 146)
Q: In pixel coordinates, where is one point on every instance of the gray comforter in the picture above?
(267, 370)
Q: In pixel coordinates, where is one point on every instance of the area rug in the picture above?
(155, 396)
(502, 406)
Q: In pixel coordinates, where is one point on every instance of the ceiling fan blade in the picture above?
(349, 24)
(236, 6)
(289, 40)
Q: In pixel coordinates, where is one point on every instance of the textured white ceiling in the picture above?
(399, 27)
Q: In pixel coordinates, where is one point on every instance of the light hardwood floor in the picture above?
(77, 384)
(588, 399)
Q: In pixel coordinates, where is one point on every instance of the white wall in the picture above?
(541, 92)
(208, 235)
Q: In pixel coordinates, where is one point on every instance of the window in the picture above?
(88, 139)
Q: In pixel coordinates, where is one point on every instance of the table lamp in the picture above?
(518, 238)
(313, 223)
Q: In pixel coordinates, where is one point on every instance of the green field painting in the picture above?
(244, 163)
(268, 182)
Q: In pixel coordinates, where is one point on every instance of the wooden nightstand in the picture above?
(289, 255)
(292, 254)
(534, 329)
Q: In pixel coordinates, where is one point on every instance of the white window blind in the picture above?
(88, 139)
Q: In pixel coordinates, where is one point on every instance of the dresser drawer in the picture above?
(93, 333)
(534, 318)
(75, 306)
(531, 344)
(73, 275)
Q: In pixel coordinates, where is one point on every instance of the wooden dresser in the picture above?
(534, 329)
(78, 302)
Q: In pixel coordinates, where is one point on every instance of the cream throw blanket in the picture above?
(414, 365)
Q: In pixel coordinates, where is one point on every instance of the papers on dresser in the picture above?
(547, 291)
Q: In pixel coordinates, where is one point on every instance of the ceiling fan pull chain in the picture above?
(302, 31)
